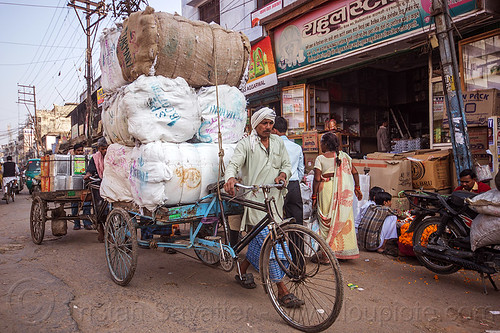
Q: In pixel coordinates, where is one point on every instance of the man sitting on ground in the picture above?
(371, 201)
(378, 226)
(469, 183)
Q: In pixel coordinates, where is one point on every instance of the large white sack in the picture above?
(486, 203)
(484, 230)
(160, 109)
(115, 185)
(115, 121)
(111, 72)
(491, 197)
(168, 173)
(232, 111)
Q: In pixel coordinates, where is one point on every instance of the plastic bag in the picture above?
(306, 194)
(483, 173)
(313, 225)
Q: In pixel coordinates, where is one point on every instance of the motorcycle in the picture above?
(441, 235)
(19, 184)
(9, 190)
(35, 185)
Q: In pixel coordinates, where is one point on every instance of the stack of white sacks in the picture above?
(148, 123)
(485, 229)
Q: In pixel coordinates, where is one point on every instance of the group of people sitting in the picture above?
(376, 223)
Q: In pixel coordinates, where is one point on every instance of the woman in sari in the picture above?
(335, 178)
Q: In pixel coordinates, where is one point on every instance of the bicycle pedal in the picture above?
(213, 238)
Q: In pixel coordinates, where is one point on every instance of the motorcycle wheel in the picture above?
(421, 237)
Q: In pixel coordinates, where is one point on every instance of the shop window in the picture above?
(210, 11)
(263, 3)
(480, 61)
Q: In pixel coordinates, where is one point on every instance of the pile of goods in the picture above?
(62, 172)
(160, 112)
(485, 229)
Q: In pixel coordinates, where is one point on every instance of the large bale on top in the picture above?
(152, 108)
(158, 43)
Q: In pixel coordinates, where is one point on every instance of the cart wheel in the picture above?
(38, 218)
(120, 240)
(316, 282)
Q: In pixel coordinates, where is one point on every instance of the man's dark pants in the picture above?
(293, 207)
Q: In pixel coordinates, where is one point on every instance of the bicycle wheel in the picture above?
(207, 257)
(120, 242)
(421, 236)
(319, 285)
(37, 219)
(13, 195)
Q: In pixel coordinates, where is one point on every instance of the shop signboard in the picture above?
(265, 11)
(310, 142)
(341, 27)
(261, 70)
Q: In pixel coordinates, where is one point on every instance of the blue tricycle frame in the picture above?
(124, 220)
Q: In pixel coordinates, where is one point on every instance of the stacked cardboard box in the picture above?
(478, 106)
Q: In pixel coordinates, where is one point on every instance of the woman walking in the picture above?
(334, 180)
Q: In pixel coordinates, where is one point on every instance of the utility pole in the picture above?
(91, 8)
(26, 95)
(123, 8)
(451, 87)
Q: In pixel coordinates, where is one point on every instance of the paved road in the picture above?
(63, 285)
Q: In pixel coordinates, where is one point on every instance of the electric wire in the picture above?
(43, 39)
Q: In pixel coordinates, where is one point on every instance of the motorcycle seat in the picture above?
(457, 198)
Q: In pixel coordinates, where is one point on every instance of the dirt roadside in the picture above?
(63, 285)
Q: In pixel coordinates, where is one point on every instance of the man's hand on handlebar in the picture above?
(229, 186)
(281, 179)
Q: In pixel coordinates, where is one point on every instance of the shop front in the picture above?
(349, 65)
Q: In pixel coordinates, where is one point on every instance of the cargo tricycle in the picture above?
(54, 205)
(298, 249)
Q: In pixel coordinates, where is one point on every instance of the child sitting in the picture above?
(371, 201)
(378, 226)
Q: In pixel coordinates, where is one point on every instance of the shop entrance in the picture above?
(393, 88)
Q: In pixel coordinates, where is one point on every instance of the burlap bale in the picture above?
(157, 43)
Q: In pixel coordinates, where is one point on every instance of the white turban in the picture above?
(257, 118)
(260, 115)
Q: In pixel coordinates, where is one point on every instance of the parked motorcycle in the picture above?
(441, 235)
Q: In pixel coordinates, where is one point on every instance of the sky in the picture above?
(42, 44)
